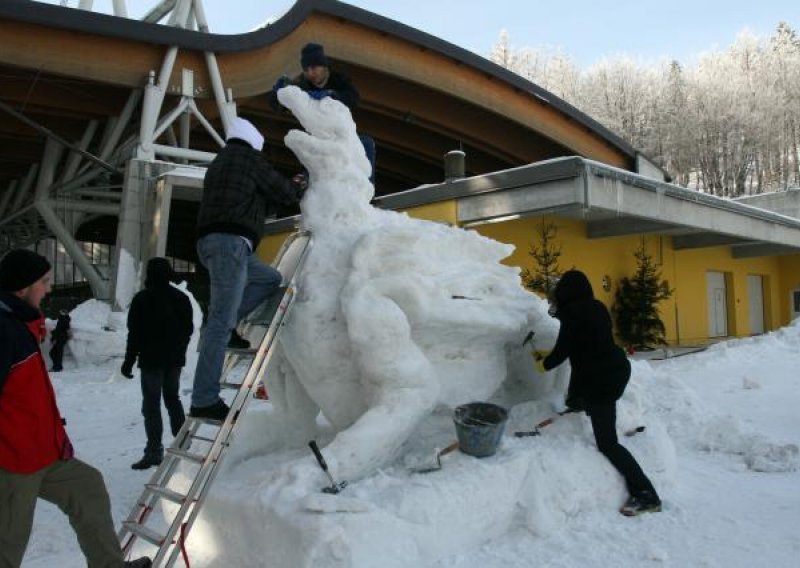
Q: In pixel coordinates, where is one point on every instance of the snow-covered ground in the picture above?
(721, 444)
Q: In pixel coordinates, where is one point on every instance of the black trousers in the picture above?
(57, 353)
(604, 424)
(155, 383)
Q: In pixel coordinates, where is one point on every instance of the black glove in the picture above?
(300, 184)
(283, 81)
(127, 369)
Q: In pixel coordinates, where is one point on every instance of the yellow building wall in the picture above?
(441, 212)
(597, 258)
(685, 314)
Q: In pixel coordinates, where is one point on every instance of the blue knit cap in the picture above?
(313, 54)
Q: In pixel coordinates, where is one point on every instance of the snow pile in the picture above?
(550, 500)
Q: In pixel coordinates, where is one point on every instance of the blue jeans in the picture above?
(369, 150)
(239, 283)
(157, 383)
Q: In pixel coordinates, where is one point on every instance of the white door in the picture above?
(717, 305)
(755, 297)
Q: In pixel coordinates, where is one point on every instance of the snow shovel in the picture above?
(443, 452)
(334, 487)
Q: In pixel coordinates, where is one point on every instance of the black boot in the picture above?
(217, 411)
(237, 341)
(143, 562)
(643, 502)
(148, 460)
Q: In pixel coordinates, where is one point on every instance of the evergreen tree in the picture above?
(636, 304)
(543, 277)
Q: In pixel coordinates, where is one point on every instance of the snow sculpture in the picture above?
(395, 315)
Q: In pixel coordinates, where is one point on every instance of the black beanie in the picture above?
(20, 268)
(313, 54)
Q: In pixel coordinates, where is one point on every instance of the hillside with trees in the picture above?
(728, 125)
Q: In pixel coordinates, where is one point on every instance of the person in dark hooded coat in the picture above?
(600, 373)
(58, 340)
(159, 328)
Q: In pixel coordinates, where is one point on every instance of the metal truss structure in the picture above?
(70, 185)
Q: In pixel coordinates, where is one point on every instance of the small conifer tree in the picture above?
(542, 279)
(635, 309)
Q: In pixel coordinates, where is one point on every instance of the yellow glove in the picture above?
(538, 358)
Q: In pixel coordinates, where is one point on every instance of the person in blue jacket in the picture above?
(600, 373)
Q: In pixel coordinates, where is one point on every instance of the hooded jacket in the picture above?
(600, 369)
(159, 321)
(32, 434)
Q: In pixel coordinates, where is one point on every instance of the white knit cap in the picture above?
(244, 130)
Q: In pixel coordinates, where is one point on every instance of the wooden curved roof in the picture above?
(421, 96)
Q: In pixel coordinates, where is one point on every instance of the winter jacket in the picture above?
(600, 369)
(338, 85)
(240, 189)
(61, 332)
(159, 321)
(32, 434)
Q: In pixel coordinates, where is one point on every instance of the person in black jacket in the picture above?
(58, 339)
(159, 328)
(319, 80)
(239, 190)
(600, 373)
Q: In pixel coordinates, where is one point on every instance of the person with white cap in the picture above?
(37, 460)
(241, 187)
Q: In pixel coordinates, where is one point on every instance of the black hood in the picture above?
(159, 273)
(573, 286)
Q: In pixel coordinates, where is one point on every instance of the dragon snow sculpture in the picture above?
(394, 315)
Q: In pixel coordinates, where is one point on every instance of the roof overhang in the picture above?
(612, 202)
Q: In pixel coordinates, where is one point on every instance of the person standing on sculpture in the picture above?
(320, 81)
(240, 189)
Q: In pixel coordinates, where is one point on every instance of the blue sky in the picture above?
(586, 30)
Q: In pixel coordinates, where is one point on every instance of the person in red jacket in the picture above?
(36, 456)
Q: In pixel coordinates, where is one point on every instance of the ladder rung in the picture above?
(142, 531)
(241, 352)
(210, 421)
(168, 494)
(189, 456)
(227, 385)
(202, 438)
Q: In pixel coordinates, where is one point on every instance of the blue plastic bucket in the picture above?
(479, 427)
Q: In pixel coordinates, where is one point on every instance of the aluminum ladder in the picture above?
(270, 317)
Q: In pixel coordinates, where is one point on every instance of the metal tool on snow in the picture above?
(334, 487)
(438, 465)
(543, 424)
